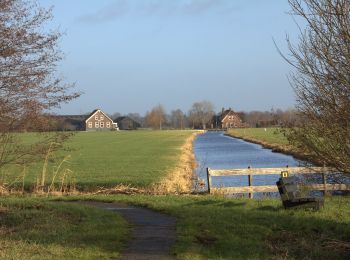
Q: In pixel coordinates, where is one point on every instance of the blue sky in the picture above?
(131, 55)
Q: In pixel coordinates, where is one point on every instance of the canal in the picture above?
(217, 151)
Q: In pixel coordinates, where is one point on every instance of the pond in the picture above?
(215, 150)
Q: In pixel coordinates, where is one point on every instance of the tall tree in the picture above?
(28, 87)
(156, 118)
(322, 80)
(177, 119)
(201, 114)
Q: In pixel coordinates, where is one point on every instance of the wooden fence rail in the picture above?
(250, 172)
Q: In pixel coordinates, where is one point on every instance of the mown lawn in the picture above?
(268, 135)
(106, 159)
(210, 227)
(34, 228)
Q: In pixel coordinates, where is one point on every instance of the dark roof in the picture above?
(121, 118)
(74, 117)
(226, 112)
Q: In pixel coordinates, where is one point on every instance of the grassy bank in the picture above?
(107, 159)
(34, 228)
(211, 227)
(271, 138)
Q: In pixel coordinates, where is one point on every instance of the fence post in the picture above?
(324, 180)
(208, 180)
(250, 183)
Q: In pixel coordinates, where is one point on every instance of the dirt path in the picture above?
(154, 233)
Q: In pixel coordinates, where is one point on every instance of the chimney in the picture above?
(222, 111)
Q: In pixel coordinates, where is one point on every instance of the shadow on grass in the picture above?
(231, 229)
(269, 208)
(81, 231)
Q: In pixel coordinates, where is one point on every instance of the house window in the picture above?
(96, 117)
(102, 124)
(96, 124)
(108, 124)
(90, 124)
(101, 117)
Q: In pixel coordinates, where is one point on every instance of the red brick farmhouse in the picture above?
(99, 121)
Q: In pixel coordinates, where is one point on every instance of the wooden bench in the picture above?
(292, 196)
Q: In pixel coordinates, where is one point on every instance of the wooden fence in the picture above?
(250, 172)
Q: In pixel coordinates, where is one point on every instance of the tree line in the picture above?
(202, 115)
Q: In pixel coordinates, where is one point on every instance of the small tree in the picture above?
(28, 87)
(322, 80)
(156, 118)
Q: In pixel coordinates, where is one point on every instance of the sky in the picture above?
(131, 55)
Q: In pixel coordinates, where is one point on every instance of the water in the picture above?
(217, 151)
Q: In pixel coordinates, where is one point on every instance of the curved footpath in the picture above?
(154, 233)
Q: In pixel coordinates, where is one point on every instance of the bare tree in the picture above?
(156, 118)
(201, 114)
(177, 119)
(322, 80)
(28, 87)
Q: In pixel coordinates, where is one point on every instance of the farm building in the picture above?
(127, 123)
(230, 119)
(98, 121)
(95, 121)
(68, 122)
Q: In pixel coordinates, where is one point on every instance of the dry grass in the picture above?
(179, 180)
(60, 182)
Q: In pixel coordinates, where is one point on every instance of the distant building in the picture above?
(98, 121)
(68, 122)
(127, 123)
(230, 119)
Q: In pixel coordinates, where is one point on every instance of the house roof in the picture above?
(121, 118)
(75, 117)
(228, 112)
(94, 112)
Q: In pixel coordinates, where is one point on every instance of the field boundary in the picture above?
(179, 180)
(251, 188)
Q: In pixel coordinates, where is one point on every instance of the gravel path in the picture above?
(154, 233)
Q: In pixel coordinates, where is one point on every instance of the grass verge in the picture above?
(210, 227)
(35, 228)
(271, 138)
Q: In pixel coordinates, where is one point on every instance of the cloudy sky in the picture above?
(131, 55)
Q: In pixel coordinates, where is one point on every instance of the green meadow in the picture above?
(106, 159)
(208, 227)
(34, 228)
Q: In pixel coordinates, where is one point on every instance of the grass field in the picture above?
(106, 159)
(33, 228)
(267, 135)
(210, 227)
